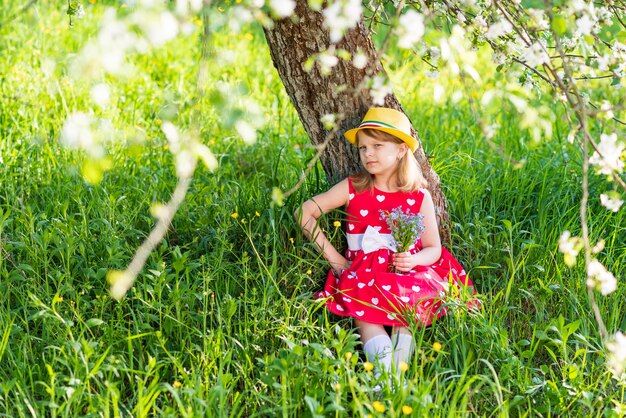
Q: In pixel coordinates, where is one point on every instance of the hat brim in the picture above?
(407, 139)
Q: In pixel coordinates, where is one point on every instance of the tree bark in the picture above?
(343, 92)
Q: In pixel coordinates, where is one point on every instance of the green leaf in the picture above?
(559, 25)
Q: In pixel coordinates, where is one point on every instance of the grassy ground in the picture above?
(221, 322)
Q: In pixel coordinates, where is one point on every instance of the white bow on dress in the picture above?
(374, 240)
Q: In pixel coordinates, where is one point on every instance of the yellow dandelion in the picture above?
(406, 409)
(436, 346)
(403, 366)
(309, 272)
(234, 215)
(368, 366)
(177, 384)
(348, 355)
(337, 386)
(291, 240)
(337, 224)
(379, 407)
(257, 213)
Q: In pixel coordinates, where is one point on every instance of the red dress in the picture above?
(368, 290)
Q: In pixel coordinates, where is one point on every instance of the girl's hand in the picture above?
(339, 268)
(404, 261)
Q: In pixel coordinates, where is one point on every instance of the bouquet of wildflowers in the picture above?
(406, 227)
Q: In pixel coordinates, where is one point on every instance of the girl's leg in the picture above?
(402, 343)
(376, 345)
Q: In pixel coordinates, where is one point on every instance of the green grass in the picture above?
(221, 323)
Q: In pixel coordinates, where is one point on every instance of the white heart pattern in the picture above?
(346, 299)
(391, 316)
(351, 196)
(405, 299)
(411, 202)
(387, 287)
(352, 275)
(416, 288)
(371, 283)
(360, 313)
(364, 212)
(381, 260)
(375, 301)
(368, 270)
(361, 285)
(339, 308)
(350, 227)
(380, 198)
(428, 276)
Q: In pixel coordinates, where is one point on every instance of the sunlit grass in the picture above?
(221, 323)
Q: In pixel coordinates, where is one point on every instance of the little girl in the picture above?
(373, 284)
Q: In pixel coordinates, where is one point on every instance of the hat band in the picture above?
(376, 124)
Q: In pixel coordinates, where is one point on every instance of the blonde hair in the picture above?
(408, 174)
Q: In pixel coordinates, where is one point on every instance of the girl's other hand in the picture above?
(403, 261)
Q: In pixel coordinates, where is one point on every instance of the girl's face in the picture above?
(379, 156)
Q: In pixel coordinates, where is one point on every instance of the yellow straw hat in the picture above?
(387, 120)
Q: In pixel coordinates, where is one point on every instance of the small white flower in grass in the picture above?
(359, 61)
(535, 55)
(160, 29)
(246, 131)
(607, 157)
(410, 29)
(76, 132)
(438, 93)
(616, 357)
(380, 89)
(570, 247)
(282, 8)
(611, 202)
(101, 94)
(599, 278)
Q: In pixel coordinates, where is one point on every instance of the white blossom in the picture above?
(584, 25)
(498, 29)
(567, 245)
(538, 19)
(607, 157)
(616, 358)
(611, 203)
(329, 121)
(246, 131)
(359, 60)
(535, 55)
(380, 89)
(282, 8)
(438, 92)
(327, 60)
(599, 278)
(341, 15)
(160, 28)
(76, 132)
(101, 94)
(410, 29)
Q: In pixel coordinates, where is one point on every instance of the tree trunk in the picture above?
(292, 42)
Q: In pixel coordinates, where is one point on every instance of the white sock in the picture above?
(402, 349)
(379, 352)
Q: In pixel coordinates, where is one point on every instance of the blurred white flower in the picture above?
(329, 121)
(611, 203)
(438, 92)
(570, 247)
(183, 7)
(538, 18)
(282, 8)
(327, 61)
(359, 61)
(535, 55)
(599, 278)
(497, 29)
(341, 15)
(584, 25)
(380, 89)
(239, 16)
(161, 28)
(172, 135)
(246, 131)
(432, 74)
(76, 132)
(616, 358)
(101, 94)
(607, 157)
(185, 163)
(410, 29)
